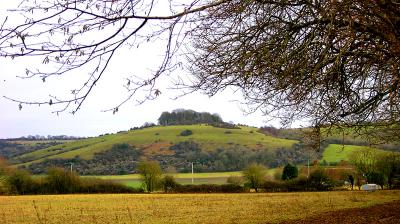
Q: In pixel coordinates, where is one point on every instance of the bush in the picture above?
(20, 182)
(289, 172)
(210, 188)
(168, 183)
(320, 181)
(235, 180)
(60, 181)
(186, 132)
(255, 175)
(94, 185)
(376, 178)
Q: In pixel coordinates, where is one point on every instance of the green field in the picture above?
(133, 180)
(182, 208)
(335, 153)
(158, 140)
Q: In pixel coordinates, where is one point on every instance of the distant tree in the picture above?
(150, 172)
(255, 175)
(168, 183)
(289, 172)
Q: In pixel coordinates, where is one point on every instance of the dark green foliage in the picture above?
(9, 149)
(351, 179)
(186, 117)
(120, 159)
(186, 132)
(94, 185)
(20, 182)
(209, 188)
(376, 178)
(115, 161)
(168, 183)
(320, 181)
(59, 181)
(289, 172)
(294, 185)
(231, 159)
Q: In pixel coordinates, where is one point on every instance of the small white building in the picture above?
(370, 187)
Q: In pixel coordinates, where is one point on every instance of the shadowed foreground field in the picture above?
(183, 208)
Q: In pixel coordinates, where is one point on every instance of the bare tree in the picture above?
(333, 62)
(329, 61)
(75, 35)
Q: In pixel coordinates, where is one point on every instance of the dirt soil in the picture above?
(384, 213)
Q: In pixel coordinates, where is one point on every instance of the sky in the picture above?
(90, 120)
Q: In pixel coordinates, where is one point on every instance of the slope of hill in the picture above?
(211, 148)
(205, 146)
(159, 138)
(336, 153)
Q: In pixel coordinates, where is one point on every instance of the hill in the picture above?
(210, 148)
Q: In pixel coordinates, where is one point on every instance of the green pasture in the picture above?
(335, 153)
(133, 180)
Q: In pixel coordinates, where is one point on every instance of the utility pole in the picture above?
(71, 166)
(192, 173)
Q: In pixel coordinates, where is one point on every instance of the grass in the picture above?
(182, 208)
(335, 153)
(133, 180)
(158, 139)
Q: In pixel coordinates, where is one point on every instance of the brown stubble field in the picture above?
(183, 208)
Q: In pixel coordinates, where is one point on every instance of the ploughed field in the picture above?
(185, 208)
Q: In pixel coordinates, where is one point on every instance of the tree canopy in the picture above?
(184, 117)
(150, 172)
(328, 61)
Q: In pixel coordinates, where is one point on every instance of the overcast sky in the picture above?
(90, 121)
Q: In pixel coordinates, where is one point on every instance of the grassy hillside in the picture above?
(335, 153)
(157, 140)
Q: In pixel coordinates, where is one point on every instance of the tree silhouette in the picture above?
(328, 61)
